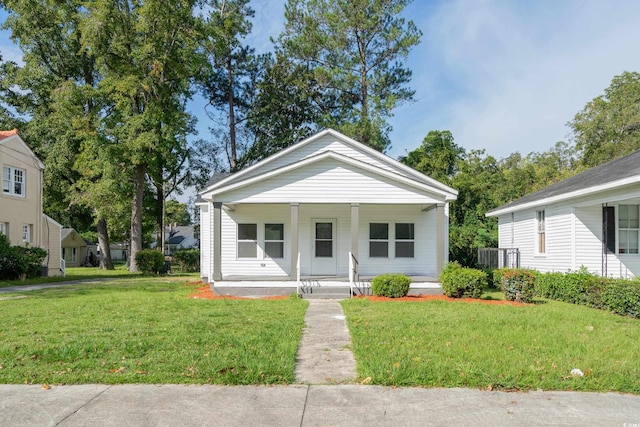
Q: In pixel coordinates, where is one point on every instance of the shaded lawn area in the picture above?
(146, 331)
(456, 344)
(83, 273)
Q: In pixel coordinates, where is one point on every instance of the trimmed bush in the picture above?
(187, 260)
(622, 297)
(391, 285)
(150, 261)
(19, 261)
(616, 295)
(462, 282)
(517, 284)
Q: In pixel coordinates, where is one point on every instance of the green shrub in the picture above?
(570, 287)
(391, 285)
(150, 261)
(19, 261)
(617, 295)
(187, 260)
(517, 284)
(622, 297)
(462, 282)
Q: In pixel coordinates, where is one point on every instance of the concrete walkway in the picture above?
(324, 354)
(36, 287)
(304, 405)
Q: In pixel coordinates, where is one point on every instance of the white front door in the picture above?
(323, 247)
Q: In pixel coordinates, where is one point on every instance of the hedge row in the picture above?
(617, 295)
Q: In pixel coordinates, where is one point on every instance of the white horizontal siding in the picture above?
(589, 238)
(424, 261)
(231, 265)
(206, 248)
(327, 181)
(321, 145)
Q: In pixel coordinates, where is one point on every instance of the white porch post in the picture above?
(217, 241)
(355, 228)
(442, 249)
(294, 241)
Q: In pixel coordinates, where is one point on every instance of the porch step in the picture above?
(325, 292)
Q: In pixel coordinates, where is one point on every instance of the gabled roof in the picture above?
(396, 170)
(7, 135)
(622, 171)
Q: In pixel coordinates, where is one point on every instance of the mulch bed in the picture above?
(205, 292)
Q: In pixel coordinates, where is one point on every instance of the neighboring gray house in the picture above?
(324, 207)
(590, 219)
(180, 237)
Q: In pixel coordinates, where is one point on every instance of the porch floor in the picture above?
(332, 285)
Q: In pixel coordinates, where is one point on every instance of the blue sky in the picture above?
(501, 75)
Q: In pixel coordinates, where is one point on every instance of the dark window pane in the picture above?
(378, 249)
(247, 250)
(324, 230)
(324, 249)
(404, 249)
(404, 231)
(378, 231)
(247, 232)
(274, 232)
(274, 249)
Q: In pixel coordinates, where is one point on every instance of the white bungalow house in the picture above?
(590, 219)
(325, 207)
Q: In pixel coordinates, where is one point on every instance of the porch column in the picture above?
(441, 247)
(294, 241)
(217, 241)
(355, 228)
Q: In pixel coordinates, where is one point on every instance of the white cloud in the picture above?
(507, 76)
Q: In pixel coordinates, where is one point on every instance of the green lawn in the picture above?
(83, 273)
(455, 344)
(145, 330)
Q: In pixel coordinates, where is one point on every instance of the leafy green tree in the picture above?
(56, 90)
(437, 157)
(229, 80)
(145, 53)
(355, 51)
(177, 213)
(608, 127)
(287, 107)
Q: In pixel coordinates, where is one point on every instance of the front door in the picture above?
(323, 247)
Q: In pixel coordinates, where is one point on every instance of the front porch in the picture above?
(331, 287)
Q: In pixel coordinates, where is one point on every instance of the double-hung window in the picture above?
(405, 238)
(247, 240)
(378, 240)
(13, 181)
(274, 240)
(541, 244)
(26, 233)
(628, 228)
(4, 228)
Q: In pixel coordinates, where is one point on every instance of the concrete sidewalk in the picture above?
(303, 405)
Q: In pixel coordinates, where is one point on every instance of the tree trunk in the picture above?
(136, 217)
(159, 217)
(103, 243)
(232, 119)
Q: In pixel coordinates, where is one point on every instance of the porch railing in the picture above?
(499, 258)
(354, 275)
(298, 275)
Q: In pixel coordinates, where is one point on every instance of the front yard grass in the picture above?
(456, 344)
(146, 330)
